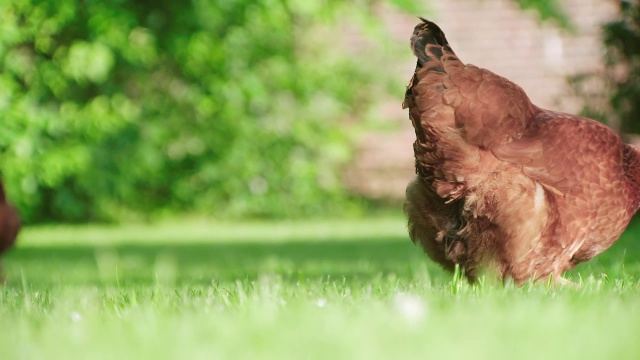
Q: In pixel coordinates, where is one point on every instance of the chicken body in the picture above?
(9, 226)
(502, 185)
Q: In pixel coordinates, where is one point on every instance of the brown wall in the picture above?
(494, 34)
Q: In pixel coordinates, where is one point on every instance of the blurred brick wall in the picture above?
(497, 35)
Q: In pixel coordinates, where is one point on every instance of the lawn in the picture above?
(310, 290)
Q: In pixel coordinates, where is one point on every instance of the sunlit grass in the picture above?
(316, 290)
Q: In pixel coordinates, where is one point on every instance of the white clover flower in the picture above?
(321, 302)
(75, 316)
(411, 307)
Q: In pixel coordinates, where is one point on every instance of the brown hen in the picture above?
(9, 226)
(503, 185)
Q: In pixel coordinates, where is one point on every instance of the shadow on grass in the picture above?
(354, 260)
(358, 259)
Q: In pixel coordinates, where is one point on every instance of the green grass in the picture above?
(314, 290)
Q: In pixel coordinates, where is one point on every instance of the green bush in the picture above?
(611, 96)
(622, 38)
(116, 108)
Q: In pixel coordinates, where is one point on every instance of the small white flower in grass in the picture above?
(75, 316)
(411, 307)
(321, 303)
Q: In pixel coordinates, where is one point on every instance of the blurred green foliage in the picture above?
(612, 95)
(549, 10)
(622, 38)
(114, 108)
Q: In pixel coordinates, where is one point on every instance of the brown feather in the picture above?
(9, 225)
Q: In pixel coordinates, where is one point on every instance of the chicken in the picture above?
(503, 186)
(9, 226)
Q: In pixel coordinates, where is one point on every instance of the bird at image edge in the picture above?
(9, 227)
(503, 186)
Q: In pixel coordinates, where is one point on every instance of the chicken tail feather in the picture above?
(2, 195)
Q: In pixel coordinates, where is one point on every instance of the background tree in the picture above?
(218, 107)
